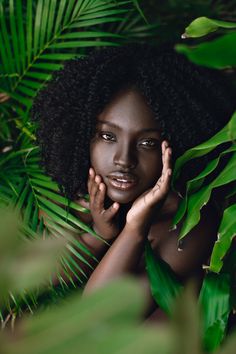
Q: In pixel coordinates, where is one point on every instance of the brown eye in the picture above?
(149, 143)
(107, 136)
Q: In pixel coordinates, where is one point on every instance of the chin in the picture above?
(122, 197)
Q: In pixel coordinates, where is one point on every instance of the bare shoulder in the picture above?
(186, 259)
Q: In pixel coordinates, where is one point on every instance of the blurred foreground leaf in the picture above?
(24, 264)
(215, 303)
(107, 321)
(186, 323)
(219, 53)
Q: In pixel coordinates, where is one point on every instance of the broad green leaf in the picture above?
(204, 25)
(232, 127)
(214, 300)
(200, 198)
(112, 322)
(219, 53)
(186, 320)
(202, 149)
(196, 183)
(164, 285)
(226, 233)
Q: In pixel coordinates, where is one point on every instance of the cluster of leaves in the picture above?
(217, 53)
(36, 37)
(99, 323)
(170, 15)
(217, 292)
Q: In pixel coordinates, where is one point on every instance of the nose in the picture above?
(125, 156)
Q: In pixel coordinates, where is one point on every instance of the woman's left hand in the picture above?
(140, 215)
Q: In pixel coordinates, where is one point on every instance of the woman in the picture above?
(112, 125)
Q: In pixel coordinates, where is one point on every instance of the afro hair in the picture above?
(190, 104)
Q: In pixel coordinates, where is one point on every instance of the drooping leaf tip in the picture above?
(184, 35)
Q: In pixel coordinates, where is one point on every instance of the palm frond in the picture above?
(34, 45)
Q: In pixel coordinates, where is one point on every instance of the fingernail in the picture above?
(90, 171)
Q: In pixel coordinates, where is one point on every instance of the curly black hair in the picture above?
(190, 103)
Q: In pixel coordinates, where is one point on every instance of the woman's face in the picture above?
(126, 149)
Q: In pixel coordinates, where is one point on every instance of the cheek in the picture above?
(152, 172)
(99, 157)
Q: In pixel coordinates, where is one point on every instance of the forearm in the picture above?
(122, 257)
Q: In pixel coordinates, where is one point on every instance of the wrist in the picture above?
(139, 231)
(109, 238)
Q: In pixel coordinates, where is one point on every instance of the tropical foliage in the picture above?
(99, 323)
(36, 36)
(218, 288)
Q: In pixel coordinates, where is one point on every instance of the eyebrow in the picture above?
(116, 126)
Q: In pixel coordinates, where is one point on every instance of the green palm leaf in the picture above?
(49, 29)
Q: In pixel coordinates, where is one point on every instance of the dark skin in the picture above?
(130, 197)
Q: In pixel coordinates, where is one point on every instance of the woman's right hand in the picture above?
(104, 220)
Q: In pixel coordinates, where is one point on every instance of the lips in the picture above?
(122, 181)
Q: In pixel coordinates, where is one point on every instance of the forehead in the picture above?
(129, 110)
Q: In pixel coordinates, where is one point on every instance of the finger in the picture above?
(109, 213)
(165, 186)
(94, 188)
(162, 186)
(99, 198)
(91, 177)
(166, 159)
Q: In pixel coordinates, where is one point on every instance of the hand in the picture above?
(105, 220)
(140, 215)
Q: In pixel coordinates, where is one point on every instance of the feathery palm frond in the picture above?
(36, 37)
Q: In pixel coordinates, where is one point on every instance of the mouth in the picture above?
(122, 181)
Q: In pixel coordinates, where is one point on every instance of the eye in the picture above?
(149, 143)
(107, 136)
